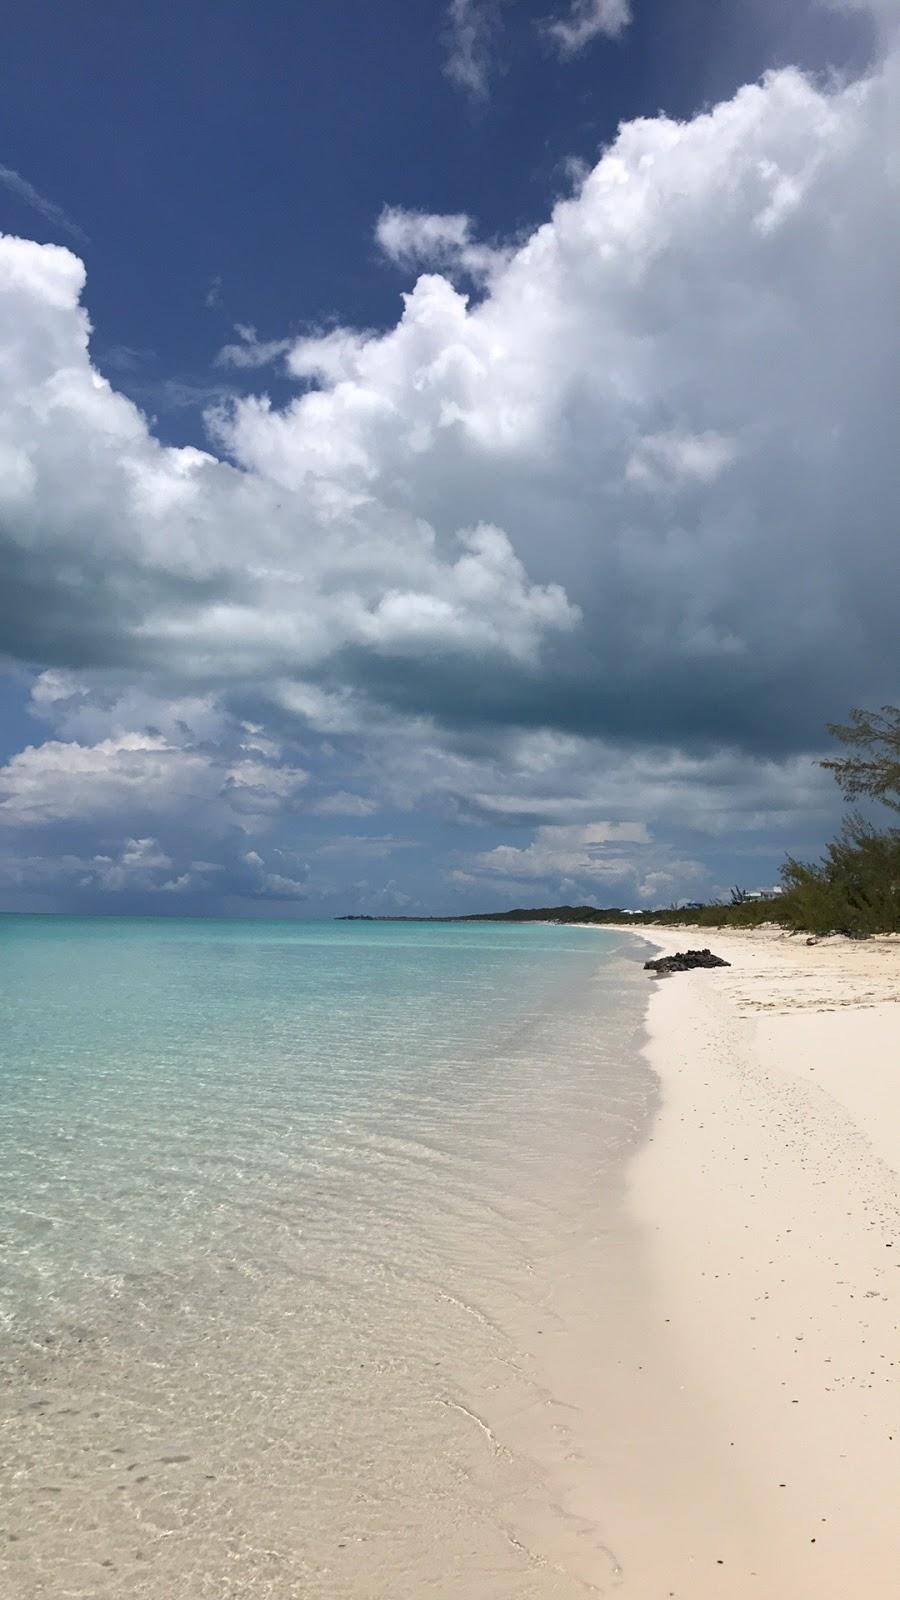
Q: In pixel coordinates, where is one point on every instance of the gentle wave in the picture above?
(287, 1212)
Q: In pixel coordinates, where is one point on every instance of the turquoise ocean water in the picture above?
(285, 1210)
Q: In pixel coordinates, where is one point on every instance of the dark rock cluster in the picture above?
(684, 961)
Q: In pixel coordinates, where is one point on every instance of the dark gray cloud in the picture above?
(639, 499)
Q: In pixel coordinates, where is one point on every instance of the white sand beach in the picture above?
(770, 1197)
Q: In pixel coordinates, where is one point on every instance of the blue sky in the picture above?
(239, 155)
(539, 584)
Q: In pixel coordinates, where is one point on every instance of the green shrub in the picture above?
(855, 888)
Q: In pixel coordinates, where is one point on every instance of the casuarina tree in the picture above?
(873, 766)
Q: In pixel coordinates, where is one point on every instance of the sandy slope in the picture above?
(770, 1193)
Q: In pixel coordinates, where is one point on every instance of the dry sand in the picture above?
(765, 1457)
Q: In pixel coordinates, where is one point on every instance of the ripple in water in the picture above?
(300, 1222)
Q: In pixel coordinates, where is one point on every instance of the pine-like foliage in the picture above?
(854, 889)
(873, 767)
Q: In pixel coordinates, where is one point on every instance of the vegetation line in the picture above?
(854, 889)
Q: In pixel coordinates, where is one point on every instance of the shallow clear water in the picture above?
(289, 1212)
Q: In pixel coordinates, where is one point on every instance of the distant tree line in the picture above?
(853, 889)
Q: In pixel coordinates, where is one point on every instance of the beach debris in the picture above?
(684, 961)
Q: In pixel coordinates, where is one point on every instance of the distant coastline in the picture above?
(526, 914)
(751, 911)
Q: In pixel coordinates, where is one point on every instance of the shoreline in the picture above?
(768, 1194)
(592, 1291)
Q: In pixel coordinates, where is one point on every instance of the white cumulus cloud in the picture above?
(173, 553)
(566, 860)
(567, 851)
(65, 781)
(62, 781)
(138, 866)
(638, 501)
(427, 239)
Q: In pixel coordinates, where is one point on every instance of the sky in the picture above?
(447, 450)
